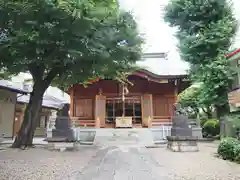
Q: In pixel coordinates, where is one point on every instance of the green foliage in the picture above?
(203, 121)
(67, 41)
(64, 42)
(211, 128)
(237, 153)
(189, 98)
(205, 30)
(234, 119)
(228, 149)
(5, 75)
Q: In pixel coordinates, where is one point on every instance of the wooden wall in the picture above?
(83, 99)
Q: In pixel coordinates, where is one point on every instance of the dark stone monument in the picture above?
(63, 126)
(180, 126)
(181, 139)
(180, 123)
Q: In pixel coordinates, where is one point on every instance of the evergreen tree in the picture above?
(205, 30)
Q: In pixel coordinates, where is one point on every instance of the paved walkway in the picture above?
(117, 163)
(123, 162)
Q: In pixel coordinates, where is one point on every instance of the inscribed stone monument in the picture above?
(63, 126)
(181, 139)
(180, 125)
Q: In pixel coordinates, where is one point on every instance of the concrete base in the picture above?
(85, 135)
(182, 144)
(61, 146)
(197, 132)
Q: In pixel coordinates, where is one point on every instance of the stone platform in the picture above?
(114, 137)
(60, 144)
(182, 143)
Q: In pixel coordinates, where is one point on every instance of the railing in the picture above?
(77, 122)
(161, 132)
(161, 120)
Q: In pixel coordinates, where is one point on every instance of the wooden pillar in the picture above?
(71, 109)
(176, 84)
(147, 110)
(100, 111)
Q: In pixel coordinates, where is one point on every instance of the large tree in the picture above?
(205, 30)
(66, 41)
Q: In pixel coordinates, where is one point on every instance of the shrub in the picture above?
(211, 128)
(237, 153)
(228, 148)
(202, 122)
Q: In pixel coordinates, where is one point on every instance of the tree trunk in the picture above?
(221, 111)
(24, 137)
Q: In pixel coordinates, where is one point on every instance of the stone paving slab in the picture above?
(114, 163)
(122, 162)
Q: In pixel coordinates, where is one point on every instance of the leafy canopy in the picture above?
(189, 97)
(205, 30)
(67, 41)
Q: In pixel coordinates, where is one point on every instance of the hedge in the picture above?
(229, 149)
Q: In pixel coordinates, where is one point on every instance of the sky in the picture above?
(159, 37)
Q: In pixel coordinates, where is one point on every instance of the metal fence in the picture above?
(161, 132)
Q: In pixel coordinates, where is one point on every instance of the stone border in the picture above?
(182, 138)
(183, 143)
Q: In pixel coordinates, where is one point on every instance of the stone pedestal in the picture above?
(182, 139)
(60, 144)
(182, 144)
(197, 132)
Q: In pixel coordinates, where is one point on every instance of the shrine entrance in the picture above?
(129, 108)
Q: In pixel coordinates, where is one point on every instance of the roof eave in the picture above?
(160, 77)
(14, 90)
(233, 55)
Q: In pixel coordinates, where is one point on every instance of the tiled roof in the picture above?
(48, 101)
(161, 64)
(8, 85)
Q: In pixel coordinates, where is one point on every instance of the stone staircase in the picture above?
(124, 137)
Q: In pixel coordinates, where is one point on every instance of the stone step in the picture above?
(141, 137)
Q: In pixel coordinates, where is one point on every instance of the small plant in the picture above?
(237, 153)
(228, 148)
(211, 128)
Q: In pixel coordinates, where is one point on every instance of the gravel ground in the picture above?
(42, 164)
(203, 165)
(116, 163)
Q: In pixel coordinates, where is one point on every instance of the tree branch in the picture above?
(204, 110)
(50, 76)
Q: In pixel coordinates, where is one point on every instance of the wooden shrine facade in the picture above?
(148, 102)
